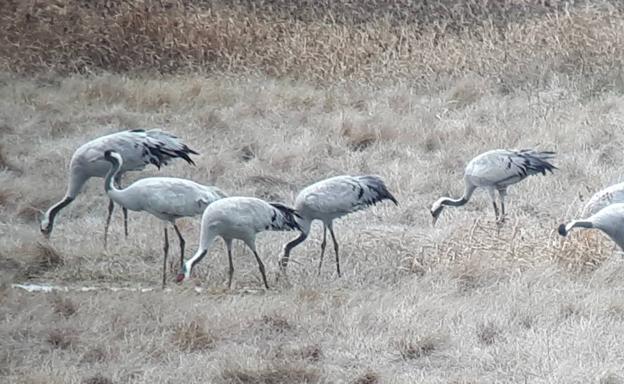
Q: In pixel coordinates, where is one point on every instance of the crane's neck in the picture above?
(117, 195)
(450, 202)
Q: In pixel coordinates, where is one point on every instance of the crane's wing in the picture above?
(168, 196)
(610, 195)
(138, 148)
(209, 195)
(505, 166)
(345, 194)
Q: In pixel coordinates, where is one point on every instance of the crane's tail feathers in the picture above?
(161, 147)
(374, 190)
(284, 218)
(537, 161)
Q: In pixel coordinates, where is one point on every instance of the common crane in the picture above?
(609, 220)
(496, 170)
(167, 198)
(239, 218)
(330, 199)
(138, 148)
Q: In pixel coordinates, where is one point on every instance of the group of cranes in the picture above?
(242, 218)
(230, 218)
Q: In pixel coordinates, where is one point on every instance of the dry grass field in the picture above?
(458, 303)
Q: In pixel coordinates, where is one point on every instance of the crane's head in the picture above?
(436, 210)
(562, 230)
(46, 226)
(185, 271)
(183, 274)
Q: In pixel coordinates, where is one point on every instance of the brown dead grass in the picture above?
(39, 258)
(519, 41)
(419, 347)
(367, 378)
(193, 337)
(583, 251)
(62, 338)
(97, 379)
(272, 374)
(489, 333)
(63, 306)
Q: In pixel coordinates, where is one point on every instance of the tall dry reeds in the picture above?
(514, 42)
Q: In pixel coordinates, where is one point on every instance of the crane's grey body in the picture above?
(610, 195)
(239, 218)
(609, 220)
(495, 171)
(138, 148)
(331, 199)
(167, 198)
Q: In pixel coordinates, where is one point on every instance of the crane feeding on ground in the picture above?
(330, 199)
(239, 218)
(137, 147)
(167, 198)
(609, 220)
(495, 171)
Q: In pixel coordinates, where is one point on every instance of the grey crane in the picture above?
(167, 198)
(138, 148)
(609, 220)
(495, 171)
(239, 218)
(610, 195)
(330, 199)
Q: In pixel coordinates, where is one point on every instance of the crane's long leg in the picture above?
(125, 215)
(502, 193)
(111, 207)
(493, 198)
(252, 246)
(228, 245)
(123, 209)
(182, 243)
(323, 244)
(331, 232)
(166, 249)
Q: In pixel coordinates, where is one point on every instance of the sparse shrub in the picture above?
(583, 251)
(488, 333)
(568, 310)
(97, 379)
(369, 377)
(272, 374)
(416, 348)
(63, 306)
(312, 353)
(248, 152)
(193, 337)
(95, 355)
(40, 258)
(276, 322)
(5, 197)
(61, 338)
